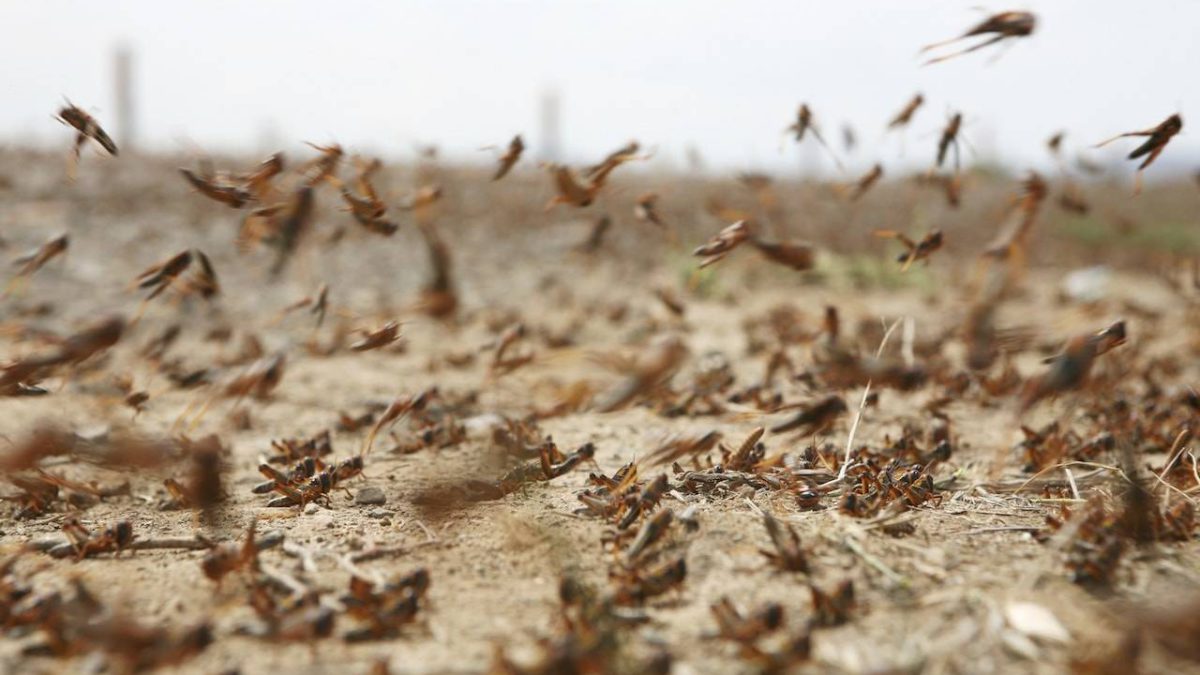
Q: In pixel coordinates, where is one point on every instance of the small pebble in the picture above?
(311, 508)
(378, 513)
(370, 495)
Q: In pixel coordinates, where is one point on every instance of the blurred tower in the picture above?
(270, 138)
(550, 149)
(123, 95)
(809, 154)
(695, 160)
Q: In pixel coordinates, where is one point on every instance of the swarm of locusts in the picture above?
(600, 422)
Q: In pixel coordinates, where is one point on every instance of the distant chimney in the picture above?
(123, 97)
(550, 149)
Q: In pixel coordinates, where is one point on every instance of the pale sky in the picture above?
(724, 76)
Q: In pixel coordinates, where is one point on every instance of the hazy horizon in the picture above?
(239, 77)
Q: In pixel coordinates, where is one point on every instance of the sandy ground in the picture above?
(933, 601)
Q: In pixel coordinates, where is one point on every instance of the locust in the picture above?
(919, 250)
(85, 127)
(510, 157)
(1156, 141)
(906, 113)
(1002, 26)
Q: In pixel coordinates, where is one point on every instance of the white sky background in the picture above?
(725, 76)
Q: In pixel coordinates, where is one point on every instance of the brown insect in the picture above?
(203, 488)
(646, 209)
(832, 608)
(571, 191)
(37, 494)
(651, 532)
(161, 276)
(671, 301)
(81, 624)
(866, 182)
(815, 418)
(438, 297)
(795, 650)
(259, 378)
(35, 259)
(400, 407)
(731, 625)
(84, 542)
(348, 422)
(920, 250)
(503, 360)
(1004, 25)
(85, 127)
(384, 608)
(1098, 543)
(650, 372)
(304, 620)
(422, 198)
(828, 347)
(295, 491)
(137, 401)
(95, 338)
(639, 586)
(223, 559)
(74, 349)
(755, 181)
(292, 449)
(906, 113)
(806, 123)
(595, 237)
(612, 494)
(1071, 199)
(214, 188)
(788, 555)
(550, 464)
(748, 454)
(1054, 143)
(380, 337)
(261, 224)
(646, 500)
(368, 209)
(1178, 522)
(725, 241)
(949, 139)
(681, 446)
(797, 256)
(322, 304)
(203, 281)
(304, 468)
(1070, 369)
(293, 222)
(258, 182)
(317, 306)
(1159, 136)
(325, 165)
(611, 160)
(1011, 243)
(510, 157)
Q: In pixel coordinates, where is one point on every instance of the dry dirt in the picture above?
(933, 601)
